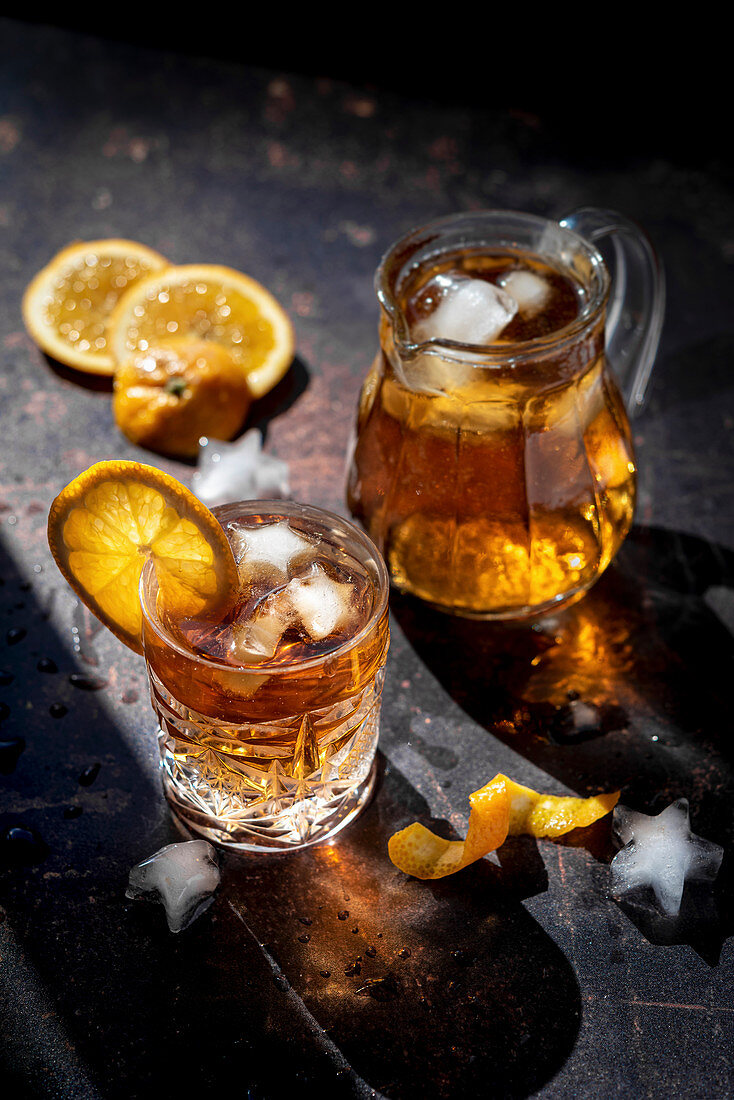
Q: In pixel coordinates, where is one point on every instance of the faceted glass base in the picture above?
(273, 835)
(279, 785)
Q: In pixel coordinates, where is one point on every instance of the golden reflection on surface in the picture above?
(589, 653)
(329, 853)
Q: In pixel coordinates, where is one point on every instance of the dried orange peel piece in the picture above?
(500, 809)
(105, 525)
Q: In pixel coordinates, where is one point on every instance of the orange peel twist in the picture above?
(500, 809)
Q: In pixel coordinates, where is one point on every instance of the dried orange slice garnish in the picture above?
(66, 307)
(500, 809)
(110, 520)
(207, 302)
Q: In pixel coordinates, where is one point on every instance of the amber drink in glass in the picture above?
(496, 476)
(269, 715)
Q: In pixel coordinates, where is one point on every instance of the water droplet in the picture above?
(304, 938)
(344, 915)
(22, 846)
(15, 634)
(47, 665)
(462, 957)
(381, 989)
(89, 775)
(10, 751)
(129, 696)
(325, 973)
(353, 968)
(281, 982)
(58, 710)
(86, 683)
(404, 953)
(72, 812)
(356, 928)
(306, 920)
(370, 952)
(85, 628)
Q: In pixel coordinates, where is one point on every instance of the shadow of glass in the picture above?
(97, 998)
(449, 984)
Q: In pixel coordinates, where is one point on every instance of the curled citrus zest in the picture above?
(500, 809)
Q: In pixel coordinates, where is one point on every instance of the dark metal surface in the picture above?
(520, 976)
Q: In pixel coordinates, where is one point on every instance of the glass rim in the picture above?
(276, 508)
(492, 354)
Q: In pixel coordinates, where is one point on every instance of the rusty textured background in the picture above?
(330, 972)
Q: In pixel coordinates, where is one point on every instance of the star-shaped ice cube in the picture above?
(273, 548)
(661, 853)
(229, 472)
(183, 877)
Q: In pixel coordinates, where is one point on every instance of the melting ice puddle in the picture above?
(183, 877)
(661, 853)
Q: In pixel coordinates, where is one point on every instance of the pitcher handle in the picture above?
(636, 301)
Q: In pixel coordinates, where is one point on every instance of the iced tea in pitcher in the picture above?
(493, 463)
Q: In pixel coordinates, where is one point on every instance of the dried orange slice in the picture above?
(207, 302)
(67, 305)
(500, 808)
(104, 526)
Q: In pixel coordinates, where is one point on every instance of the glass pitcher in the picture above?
(497, 476)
